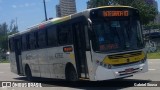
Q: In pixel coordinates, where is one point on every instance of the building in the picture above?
(157, 20)
(58, 11)
(66, 7)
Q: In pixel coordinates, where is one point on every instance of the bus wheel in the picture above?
(71, 74)
(28, 74)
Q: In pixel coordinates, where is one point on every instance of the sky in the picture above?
(31, 12)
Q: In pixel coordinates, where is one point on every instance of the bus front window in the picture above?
(116, 34)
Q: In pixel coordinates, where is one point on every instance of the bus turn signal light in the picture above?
(68, 49)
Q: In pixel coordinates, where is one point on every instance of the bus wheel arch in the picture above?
(70, 72)
(28, 73)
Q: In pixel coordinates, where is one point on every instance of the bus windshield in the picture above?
(116, 34)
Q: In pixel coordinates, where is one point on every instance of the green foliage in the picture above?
(152, 26)
(147, 11)
(5, 30)
(97, 3)
(155, 55)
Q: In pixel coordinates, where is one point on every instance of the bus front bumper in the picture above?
(106, 74)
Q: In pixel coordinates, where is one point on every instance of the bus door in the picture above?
(18, 46)
(79, 47)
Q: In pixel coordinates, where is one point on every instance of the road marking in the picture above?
(151, 69)
(1, 72)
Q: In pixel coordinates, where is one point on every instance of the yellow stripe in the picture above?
(61, 19)
(71, 56)
(124, 60)
(114, 6)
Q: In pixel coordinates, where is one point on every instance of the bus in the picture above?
(97, 44)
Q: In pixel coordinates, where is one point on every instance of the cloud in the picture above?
(14, 6)
(24, 5)
(21, 6)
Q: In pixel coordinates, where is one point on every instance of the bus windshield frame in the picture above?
(116, 33)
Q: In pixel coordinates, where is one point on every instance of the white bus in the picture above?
(97, 44)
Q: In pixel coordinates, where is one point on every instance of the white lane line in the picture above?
(152, 69)
(1, 72)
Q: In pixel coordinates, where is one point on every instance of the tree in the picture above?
(97, 3)
(147, 11)
(3, 35)
(4, 32)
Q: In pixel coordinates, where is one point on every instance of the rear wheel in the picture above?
(71, 74)
(28, 74)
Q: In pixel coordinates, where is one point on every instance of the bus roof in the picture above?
(115, 6)
(58, 20)
(43, 24)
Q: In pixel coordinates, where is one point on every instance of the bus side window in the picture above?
(32, 41)
(24, 43)
(27, 39)
(64, 35)
(52, 36)
(42, 38)
(11, 44)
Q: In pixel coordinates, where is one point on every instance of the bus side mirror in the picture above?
(89, 24)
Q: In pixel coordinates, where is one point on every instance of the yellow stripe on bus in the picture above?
(71, 56)
(61, 19)
(114, 6)
(124, 60)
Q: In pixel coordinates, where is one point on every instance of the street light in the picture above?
(45, 9)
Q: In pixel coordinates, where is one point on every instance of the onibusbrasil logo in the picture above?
(20, 84)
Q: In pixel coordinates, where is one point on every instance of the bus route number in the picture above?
(59, 55)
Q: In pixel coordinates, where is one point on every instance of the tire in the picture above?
(28, 74)
(71, 74)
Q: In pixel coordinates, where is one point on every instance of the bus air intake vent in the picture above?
(125, 55)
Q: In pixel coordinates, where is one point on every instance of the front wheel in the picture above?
(71, 74)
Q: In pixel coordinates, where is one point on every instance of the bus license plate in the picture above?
(128, 70)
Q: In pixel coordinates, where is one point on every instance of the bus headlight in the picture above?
(103, 64)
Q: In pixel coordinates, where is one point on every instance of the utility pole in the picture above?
(45, 10)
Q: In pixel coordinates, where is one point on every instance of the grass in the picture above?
(4, 61)
(154, 55)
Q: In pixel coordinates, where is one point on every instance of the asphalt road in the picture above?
(121, 84)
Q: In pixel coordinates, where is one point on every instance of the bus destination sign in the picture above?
(115, 13)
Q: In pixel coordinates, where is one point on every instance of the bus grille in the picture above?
(122, 73)
(125, 55)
